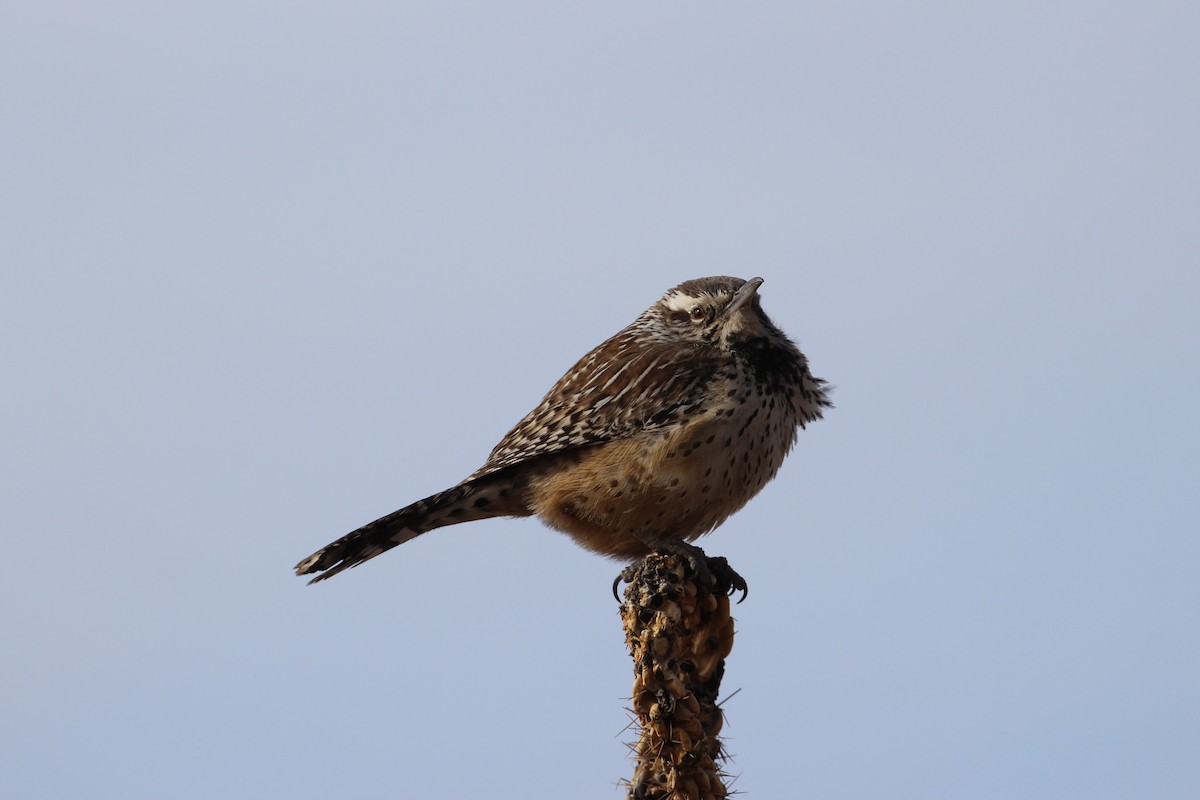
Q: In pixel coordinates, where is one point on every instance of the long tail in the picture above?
(468, 501)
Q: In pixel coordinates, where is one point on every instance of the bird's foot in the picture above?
(713, 571)
(726, 577)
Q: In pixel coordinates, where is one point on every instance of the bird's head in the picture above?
(720, 311)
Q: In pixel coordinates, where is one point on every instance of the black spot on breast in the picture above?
(481, 502)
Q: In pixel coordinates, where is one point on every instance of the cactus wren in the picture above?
(651, 440)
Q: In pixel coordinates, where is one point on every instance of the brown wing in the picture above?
(617, 390)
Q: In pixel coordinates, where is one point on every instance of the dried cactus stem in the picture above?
(679, 633)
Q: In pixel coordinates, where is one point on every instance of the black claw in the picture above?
(627, 575)
(726, 575)
(738, 584)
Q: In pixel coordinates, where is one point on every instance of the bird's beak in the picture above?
(744, 295)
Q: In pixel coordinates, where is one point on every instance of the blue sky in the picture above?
(271, 271)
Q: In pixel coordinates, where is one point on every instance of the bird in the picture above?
(651, 440)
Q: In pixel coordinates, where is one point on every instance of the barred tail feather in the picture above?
(358, 546)
(444, 508)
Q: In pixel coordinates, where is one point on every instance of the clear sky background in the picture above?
(271, 270)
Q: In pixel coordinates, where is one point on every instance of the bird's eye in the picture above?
(697, 314)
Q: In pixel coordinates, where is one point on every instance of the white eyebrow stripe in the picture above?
(678, 301)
